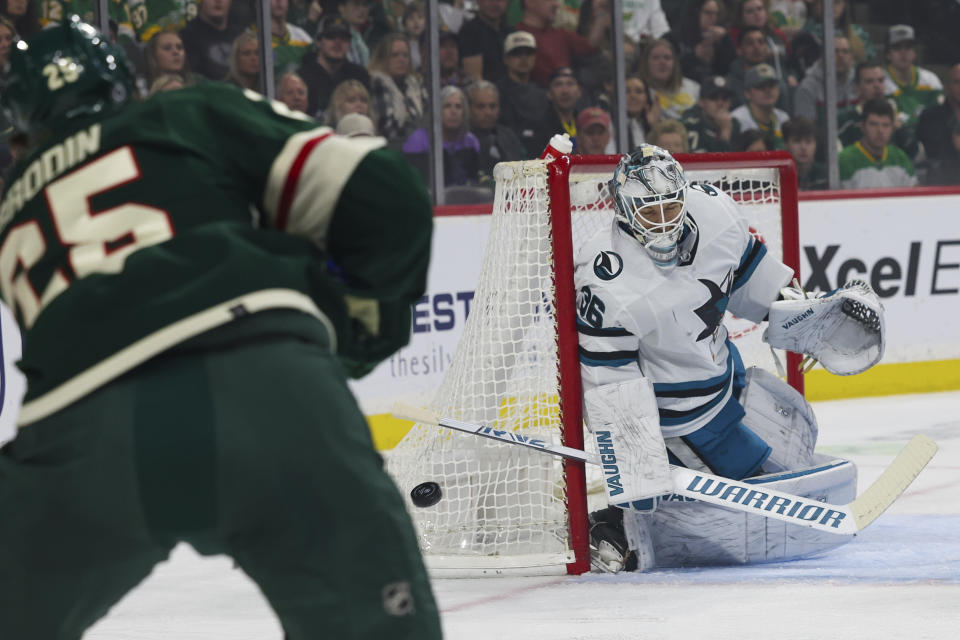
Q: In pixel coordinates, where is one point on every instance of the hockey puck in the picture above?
(426, 494)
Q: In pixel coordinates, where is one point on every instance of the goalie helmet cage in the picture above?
(512, 510)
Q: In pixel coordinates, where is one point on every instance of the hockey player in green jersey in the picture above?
(194, 276)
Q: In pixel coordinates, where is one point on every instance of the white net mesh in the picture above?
(504, 507)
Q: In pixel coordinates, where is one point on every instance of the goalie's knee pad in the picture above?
(780, 415)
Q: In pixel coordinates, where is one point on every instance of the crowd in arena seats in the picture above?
(700, 75)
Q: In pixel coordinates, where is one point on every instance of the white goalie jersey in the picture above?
(637, 319)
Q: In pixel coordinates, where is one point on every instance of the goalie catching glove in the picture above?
(843, 329)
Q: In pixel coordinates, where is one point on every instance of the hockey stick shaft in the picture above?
(733, 494)
(426, 416)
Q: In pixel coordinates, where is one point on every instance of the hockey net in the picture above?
(508, 509)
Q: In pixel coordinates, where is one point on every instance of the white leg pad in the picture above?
(626, 426)
(776, 412)
(687, 533)
(636, 525)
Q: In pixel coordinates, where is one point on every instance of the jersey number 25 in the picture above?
(97, 241)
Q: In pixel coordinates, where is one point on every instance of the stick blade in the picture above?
(894, 481)
(405, 411)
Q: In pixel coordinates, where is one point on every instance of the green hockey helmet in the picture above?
(68, 71)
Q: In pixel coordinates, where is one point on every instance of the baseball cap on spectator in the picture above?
(900, 34)
(561, 72)
(519, 40)
(591, 116)
(355, 124)
(331, 26)
(760, 75)
(715, 87)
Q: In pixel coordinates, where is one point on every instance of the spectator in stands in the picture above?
(245, 62)
(208, 39)
(350, 96)
(523, 104)
(937, 128)
(23, 14)
(594, 71)
(661, 70)
(165, 55)
(306, 14)
(461, 149)
(399, 96)
(556, 48)
(354, 125)
(946, 170)
(448, 53)
(671, 135)
(752, 50)
(590, 13)
(868, 79)
(702, 42)
(292, 91)
(166, 82)
(643, 112)
(789, 16)
(760, 112)
(873, 161)
(912, 87)
(755, 13)
(325, 66)
(498, 143)
(710, 124)
(644, 20)
(356, 13)
(290, 42)
(809, 98)
(870, 82)
(857, 36)
(800, 139)
(414, 25)
(751, 140)
(481, 41)
(593, 132)
(8, 34)
(563, 93)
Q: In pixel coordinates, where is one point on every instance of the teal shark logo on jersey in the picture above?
(607, 265)
(711, 312)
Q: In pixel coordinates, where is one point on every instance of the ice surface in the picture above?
(899, 579)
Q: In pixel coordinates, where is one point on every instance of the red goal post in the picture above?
(510, 510)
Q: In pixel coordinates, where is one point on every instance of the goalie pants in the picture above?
(256, 451)
(724, 446)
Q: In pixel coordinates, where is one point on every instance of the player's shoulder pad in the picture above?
(707, 202)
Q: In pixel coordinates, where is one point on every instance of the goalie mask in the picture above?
(649, 191)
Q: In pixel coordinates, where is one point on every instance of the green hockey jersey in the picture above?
(859, 169)
(703, 137)
(924, 90)
(149, 17)
(124, 236)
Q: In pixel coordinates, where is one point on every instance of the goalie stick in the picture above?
(740, 495)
